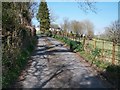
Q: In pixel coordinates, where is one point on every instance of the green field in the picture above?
(106, 48)
(107, 44)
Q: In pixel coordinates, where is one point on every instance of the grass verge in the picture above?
(109, 71)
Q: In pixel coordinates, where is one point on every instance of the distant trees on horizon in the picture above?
(79, 28)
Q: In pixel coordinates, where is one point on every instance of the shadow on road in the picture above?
(58, 70)
(59, 74)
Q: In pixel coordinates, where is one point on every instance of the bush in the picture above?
(79, 48)
(74, 45)
(113, 74)
(14, 64)
(48, 33)
(96, 52)
(113, 68)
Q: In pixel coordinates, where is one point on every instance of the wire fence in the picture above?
(109, 50)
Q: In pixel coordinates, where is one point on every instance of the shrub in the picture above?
(96, 52)
(74, 45)
(113, 74)
(113, 68)
(48, 33)
(14, 64)
(79, 47)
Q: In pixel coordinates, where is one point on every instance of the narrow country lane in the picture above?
(53, 66)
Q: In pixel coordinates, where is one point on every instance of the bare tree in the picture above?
(113, 31)
(87, 6)
(88, 28)
(65, 25)
(75, 26)
(53, 16)
(81, 28)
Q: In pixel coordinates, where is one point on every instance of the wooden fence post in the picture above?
(83, 43)
(94, 43)
(113, 53)
(103, 50)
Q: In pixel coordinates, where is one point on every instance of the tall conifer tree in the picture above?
(43, 16)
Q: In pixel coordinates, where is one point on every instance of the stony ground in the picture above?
(53, 66)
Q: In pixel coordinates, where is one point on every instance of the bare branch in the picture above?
(87, 6)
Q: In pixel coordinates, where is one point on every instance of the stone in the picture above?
(37, 73)
(21, 78)
(37, 66)
(31, 70)
(33, 63)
